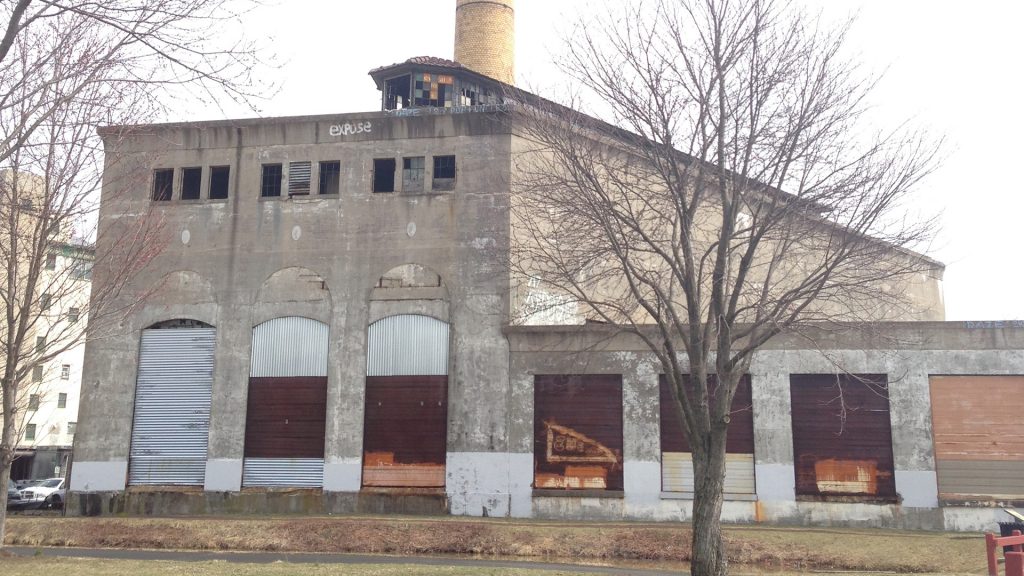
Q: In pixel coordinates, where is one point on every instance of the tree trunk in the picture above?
(708, 551)
(8, 440)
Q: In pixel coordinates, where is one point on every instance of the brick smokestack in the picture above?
(485, 37)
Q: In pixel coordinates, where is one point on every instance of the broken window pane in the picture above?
(436, 90)
(383, 174)
(270, 186)
(219, 176)
(412, 174)
(444, 173)
(330, 177)
(163, 184)
(299, 176)
(191, 182)
(396, 93)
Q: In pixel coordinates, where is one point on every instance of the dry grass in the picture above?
(760, 548)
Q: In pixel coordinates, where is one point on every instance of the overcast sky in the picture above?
(951, 66)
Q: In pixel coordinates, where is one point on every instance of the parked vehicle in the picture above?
(47, 494)
(13, 496)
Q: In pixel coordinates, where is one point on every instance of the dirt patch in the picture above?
(779, 548)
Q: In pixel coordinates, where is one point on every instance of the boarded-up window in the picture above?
(842, 439)
(405, 435)
(676, 457)
(979, 449)
(578, 432)
(299, 174)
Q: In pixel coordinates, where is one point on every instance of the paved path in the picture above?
(301, 558)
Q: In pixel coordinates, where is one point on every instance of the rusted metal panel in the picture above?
(578, 431)
(407, 345)
(676, 458)
(290, 346)
(979, 450)
(405, 431)
(286, 417)
(842, 438)
(171, 424)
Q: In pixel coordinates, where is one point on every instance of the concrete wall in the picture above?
(217, 255)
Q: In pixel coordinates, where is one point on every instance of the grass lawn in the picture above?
(751, 549)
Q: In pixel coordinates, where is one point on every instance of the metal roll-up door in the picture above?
(287, 404)
(677, 458)
(405, 423)
(171, 428)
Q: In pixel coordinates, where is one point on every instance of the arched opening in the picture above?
(171, 424)
(405, 425)
(287, 404)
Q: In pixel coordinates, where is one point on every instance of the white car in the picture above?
(47, 494)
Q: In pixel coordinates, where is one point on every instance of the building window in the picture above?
(163, 184)
(71, 428)
(271, 184)
(578, 432)
(191, 183)
(33, 401)
(73, 314)
(412, 174)
(65, 372)
(444, 173)
(51, 262)
(383, 174)
(299, 176)
(62, 400)
(219, 176)
(44, 302)
(433, 90)
(37, 373)
(30, 432)
(330, 177)
(40, 344)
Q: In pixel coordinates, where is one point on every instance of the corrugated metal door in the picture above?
(578, 432)
(677, 459)
(287, 405)
(405, 424)
(979, 449)
(842, 436)
(171, 427)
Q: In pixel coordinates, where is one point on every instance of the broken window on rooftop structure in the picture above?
(270, 186)
(436, 90)
(383, 174)
(444, 173)
(191, 183)
(163, 184)
(299, 176)
(330, 177)
(396, 93)
(219, 176)
(412, 174)
(473, 95)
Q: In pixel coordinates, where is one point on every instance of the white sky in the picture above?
(951, 66)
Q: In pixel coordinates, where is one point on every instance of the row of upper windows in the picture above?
(300, 178)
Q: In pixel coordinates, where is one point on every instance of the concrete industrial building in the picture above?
(330, 330)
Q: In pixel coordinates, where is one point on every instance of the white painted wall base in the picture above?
(488, 483)
(223, 475)
(343, 475)
(99, 476)
(919, 488)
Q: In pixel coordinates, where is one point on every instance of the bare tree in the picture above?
(66, 68)
(728, 196)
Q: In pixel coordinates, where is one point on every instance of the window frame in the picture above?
(62, 400)
(320, 177)
(65, 371)
(406, 171)
(33, 402)
(214, 170)
(198, 192)
(271, 186)
(445, 183)
(30, 432)
(161, 189)
(377, 171)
